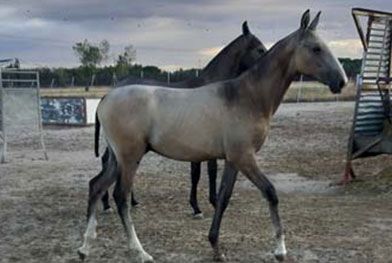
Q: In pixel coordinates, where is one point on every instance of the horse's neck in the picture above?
(272, 76)
(189, 83)
(224, 65)
(220, 71)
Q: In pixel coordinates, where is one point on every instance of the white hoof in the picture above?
(198, 216)
(281, 252)
(146, 258)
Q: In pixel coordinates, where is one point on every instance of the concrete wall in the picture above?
(91, 107)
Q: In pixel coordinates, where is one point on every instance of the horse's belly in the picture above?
(187, 148)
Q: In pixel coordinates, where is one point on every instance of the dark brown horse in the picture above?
(225, 120)
(235, 58)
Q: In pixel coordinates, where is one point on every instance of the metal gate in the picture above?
(20, 109)
(371, 132)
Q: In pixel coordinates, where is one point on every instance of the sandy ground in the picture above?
(43, 203)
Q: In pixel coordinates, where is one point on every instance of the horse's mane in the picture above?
(226, 51)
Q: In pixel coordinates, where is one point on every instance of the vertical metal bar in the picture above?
(300, 88)
(359, 29)
(4, 150)
(352, 132)
(4, 135)
(40, 117)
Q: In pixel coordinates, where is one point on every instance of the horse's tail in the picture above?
(96, 136)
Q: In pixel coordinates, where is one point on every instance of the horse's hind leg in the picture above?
(212, 171)
(104, 162)
(98, 187)
(225, 191)
(134, 202)
(121, 197)
(250, 169)
(105, 201)
(195, 177)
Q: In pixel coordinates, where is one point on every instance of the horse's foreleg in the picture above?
(212, 173)
(268, 191)
(121, 197)
(225, 191)
(195, 177)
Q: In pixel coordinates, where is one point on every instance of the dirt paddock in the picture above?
(43, 203)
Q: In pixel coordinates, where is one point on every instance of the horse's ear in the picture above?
(245, 28)
(305, 20)
(315, 22)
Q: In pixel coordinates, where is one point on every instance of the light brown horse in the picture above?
(235, 58)
(234, 116)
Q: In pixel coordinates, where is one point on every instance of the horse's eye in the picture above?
(316, 49)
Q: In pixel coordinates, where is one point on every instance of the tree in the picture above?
(91, 55)
(128, 56)
(124, 61)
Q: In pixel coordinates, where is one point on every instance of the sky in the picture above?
(171, 34)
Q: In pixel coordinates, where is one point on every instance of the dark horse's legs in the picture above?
(106, 205)
(195, 177)
(225, 191)
(106, 164)
(212, 171)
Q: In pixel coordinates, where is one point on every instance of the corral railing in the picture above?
(20, 110)
(371, 132)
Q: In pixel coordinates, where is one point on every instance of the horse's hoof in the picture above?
(135, 203)
(108, 210)
(147, 258)
(82, 254)
(198, 216)
(219, 257)
(280, 257)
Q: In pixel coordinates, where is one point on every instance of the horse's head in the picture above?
(312, 57)
(252, 49)
(237, 57)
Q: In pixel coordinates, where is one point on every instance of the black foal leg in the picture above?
(212, 171)
(134, 202)
(105, 163)
(225, 191)
(105, 201)
(195, 177)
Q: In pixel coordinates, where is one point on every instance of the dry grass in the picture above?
(94, 92)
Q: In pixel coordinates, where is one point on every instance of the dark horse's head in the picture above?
(237, 57)
(312, 56)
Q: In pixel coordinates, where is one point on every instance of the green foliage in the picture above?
(91, 55)
(352, 67)
(127, 57)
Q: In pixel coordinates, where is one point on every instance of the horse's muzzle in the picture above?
(337, 84)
